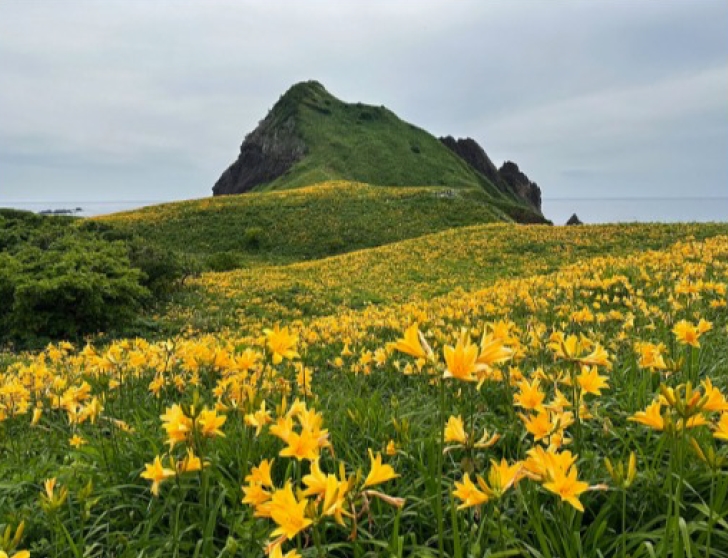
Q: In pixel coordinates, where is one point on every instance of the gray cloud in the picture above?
(117, 100)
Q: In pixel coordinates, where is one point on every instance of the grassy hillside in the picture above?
(417, 269)
(305, 223)
(365, 143)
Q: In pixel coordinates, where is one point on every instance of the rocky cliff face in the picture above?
(267, 152)
(520, 184)
(469, 150)
(507, 178)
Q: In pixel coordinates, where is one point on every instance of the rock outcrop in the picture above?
(508, 178)
(574, 220)
(267, 152)
(520, 184)
(469, 150)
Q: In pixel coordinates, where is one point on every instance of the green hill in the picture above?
(310, 136)
(304, 223)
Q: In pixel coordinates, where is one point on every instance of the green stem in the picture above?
(624, 523)
(438, 491)
(472, 438)
(576, 404)
(710, 510)
(317, 541)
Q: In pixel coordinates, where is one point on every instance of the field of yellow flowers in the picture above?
(496, 391)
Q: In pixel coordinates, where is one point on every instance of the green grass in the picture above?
(306, 223)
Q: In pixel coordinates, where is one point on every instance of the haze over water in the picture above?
(642, 210)
(590, 211)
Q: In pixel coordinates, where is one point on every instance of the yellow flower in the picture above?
(651, 356)
(21, 554)
(391, 449)
(721, 428)
(190, 463)
(598, 357)
(315, 481)
(210, 423)
(283, 428)
(652, 416)
(257, 496)
(492, 350)
(502, 476)
(686, 333)
(411, 344)
(334, 498)
(261, 474)
(281, 343)
(288, 513)
(461, 359)
(567, 487)
(540, 425)
(529, 395)
(50, 487)
(542, 464)
(716, 400)
(590, 380)
(455, 430)
(277, 552)
(301, 446)
(177, 425)
(156, 473)
(469, 494)
(693, 422)
(379, 473)
(486, 441)
(76, 441)
(259, 418)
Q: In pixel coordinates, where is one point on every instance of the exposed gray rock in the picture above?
(574, 220)
(520, 184)
(266, 153)
(469, 150)
(508, 179)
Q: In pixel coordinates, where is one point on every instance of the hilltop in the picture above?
(310, 136)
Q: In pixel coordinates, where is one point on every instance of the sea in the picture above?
(637, 210)
(558, 210)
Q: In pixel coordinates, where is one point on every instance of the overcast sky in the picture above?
(150, 100)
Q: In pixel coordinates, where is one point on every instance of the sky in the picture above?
(150, 100)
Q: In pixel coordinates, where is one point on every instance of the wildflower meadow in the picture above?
(493, 391)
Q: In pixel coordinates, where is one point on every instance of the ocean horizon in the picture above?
(558, 210)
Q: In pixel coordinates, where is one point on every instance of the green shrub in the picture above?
(66, 278)
(75, 287)
(223, 261)
(252, 238)
(162, 270)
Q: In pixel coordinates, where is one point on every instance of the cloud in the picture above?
(143, 90)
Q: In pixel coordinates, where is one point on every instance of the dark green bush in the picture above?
(223, 261)
(253, 238)
(62, 278)
(161, 269)
(75, 287)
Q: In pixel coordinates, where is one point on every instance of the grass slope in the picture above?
(306, 223)
(412, 270)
